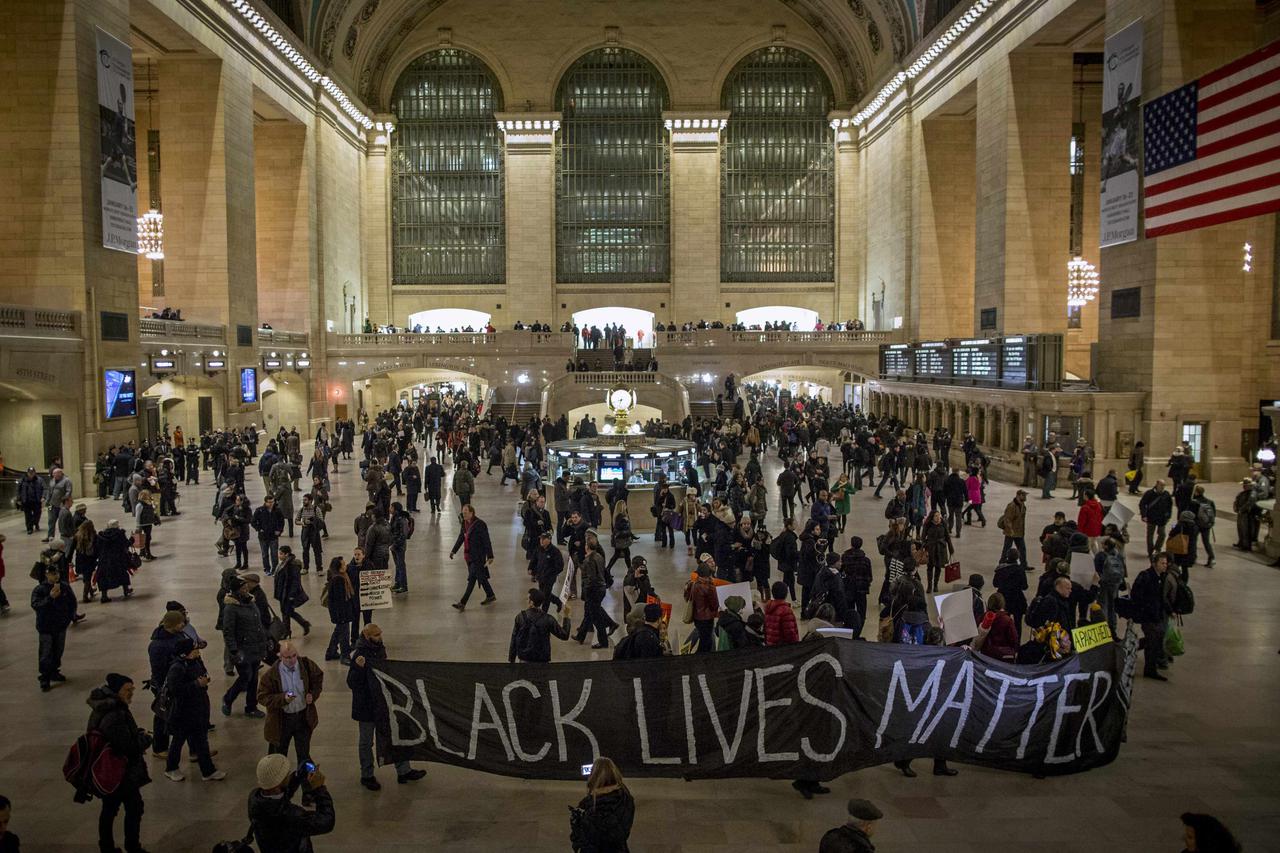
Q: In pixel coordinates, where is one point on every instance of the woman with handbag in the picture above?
(1181, 543)
(84, 546)
(664, 503)
(937, 543)
(621, 538)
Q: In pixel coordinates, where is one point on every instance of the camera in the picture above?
(586, 769)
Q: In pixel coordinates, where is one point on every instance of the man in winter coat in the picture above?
(268, 521)
(433, 475)
(278, 825)
(855, 565)
(31, 498)
(54, 602)
(109, 714)
(1110, 567)
(1152, 607)
(362, 682)
(855, 835)
(289, 689)
(1010, 580)
(59, 489)
(288, 590)
(548, 563)
(477, 549)
(534, 627)
(646, 640)
(1014, 525)
(1089, 520)
(160, 654)
(464, 485)
(1155, 509)
(248, 643)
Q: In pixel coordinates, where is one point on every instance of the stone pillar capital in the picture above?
(529, 132)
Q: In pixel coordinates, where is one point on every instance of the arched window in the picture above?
(446, 182)
(612, 189)
(777, 171)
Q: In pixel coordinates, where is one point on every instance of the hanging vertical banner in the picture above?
(1121, 136)
(119, 162)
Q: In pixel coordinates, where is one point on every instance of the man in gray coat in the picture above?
(58, 490)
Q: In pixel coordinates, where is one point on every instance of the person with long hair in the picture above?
(86, 556)
(1204, 833)
(601, 822)
(342, 600)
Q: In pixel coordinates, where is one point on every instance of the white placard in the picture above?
(1119, 515)
(118, 156)
(1082, 569)
(570, 571)
(743, 589)
(1121, 137)
(375, 589)
(846, 633)
(955, 615)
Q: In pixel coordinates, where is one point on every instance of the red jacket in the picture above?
(1002, 641)
(779, 623)
(1090, 519)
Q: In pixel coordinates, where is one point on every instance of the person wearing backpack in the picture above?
(1206, 516)
(401, 529)
(1152, 606)
(1111, 569)
(1182, 542)
(109, 714)
(534, 627)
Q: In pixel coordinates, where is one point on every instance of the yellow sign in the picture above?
(1088, 636)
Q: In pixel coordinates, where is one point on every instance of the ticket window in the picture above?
(640, 471)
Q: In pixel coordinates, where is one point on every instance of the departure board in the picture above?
(1018, 362)
(976, 361)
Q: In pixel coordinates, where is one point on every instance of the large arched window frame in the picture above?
(613, 222)
(447, 200)
(777, 171)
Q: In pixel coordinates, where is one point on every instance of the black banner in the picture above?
(810, 710)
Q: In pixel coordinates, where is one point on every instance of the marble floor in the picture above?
(1204, 741)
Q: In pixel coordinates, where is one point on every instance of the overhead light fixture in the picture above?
(1082, 282)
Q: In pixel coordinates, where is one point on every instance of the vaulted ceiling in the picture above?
(359, 39)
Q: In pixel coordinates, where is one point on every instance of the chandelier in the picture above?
(151, 235)
(1082, 282)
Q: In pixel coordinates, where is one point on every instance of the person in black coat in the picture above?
(601, 823)
(112, 547)
(160, 653)
(1010, 580)
(54, 602)
(434, 477)
(287, 589)
(412, 477)
(533, 629)
(343, 602)
(361, 681)
(279, 826)
(187, 682)
(473, 540)
(109, 714)
(548, 564)
(828, 585)
(731, 623)
(855, 565)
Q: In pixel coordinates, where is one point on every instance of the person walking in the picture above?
(1137, 461)
(433, 476)
(937, 542)
(287, 589)
(1155, 509)
(160, 654)
(400, 528)
(1110, 567)
(248, 644)
(112, 546)
(109, 714)
(187, 684)
(594, 583)
(289, 690)
(1206, 512)
(31, 499)
(55, 605)
(533, 629)
(477, 550)
(664, 507)
(463, 485)
(1152, 606)
(145, 520)
(343, 603)
(362, 682)
(1013, 523)
(310, 524)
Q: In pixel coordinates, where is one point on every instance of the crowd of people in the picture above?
(808, 575)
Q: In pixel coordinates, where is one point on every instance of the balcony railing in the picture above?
(180, 330)
(504, 340)
(282, 338)
(615, 377)
(724, 337)
(19, 320)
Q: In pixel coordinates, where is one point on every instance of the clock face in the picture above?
(620, 398)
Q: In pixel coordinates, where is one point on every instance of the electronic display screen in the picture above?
(1013, 362)
(609, 473)
(121, 393)
(248, 384)
(895, 361)
(975, 360)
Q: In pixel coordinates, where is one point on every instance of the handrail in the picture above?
(724, 337)
(613, 377)
(43, 322)
(509, 339)
(281, 336)
(153, 328)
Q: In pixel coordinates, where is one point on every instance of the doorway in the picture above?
(204, 414)
(637, 322)
(1193, 437)
(797, 319)
(51, 426)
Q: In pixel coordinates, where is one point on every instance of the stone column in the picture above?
(1023, 190)
(286, 234)
(850, 296)
(695, 214)
(531, 214)
(375, 221)
(942, 253)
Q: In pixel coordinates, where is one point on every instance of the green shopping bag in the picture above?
(1173, 641)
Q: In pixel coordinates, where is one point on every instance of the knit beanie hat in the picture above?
(735, 603)
(116, 682)
(272, 770)
(173, 621)
(184, 646)
(652, 612)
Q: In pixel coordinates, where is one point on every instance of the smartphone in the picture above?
(309, 766)
(586, 770)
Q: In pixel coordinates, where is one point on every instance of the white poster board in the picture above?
(844, 633)
(1082, 569)
(570, 572)
(1121, 137)
(118, 150)
(1118, 515)
(742, 589)
(375, 589)
(955, 615)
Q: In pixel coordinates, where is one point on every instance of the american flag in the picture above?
(1212, 147)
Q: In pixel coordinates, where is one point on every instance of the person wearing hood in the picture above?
(855, 565)
(160, 652)
(287, 590)
(361, 681)
(187, 682)
(602, 820)
(733, 626)
(54, 602)
(112, 547)
(109, 714)
(277, 824)
(248, 643)
(828, 588)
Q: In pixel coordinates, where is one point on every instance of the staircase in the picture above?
(601, 360)
(705, 409)
(516, 413)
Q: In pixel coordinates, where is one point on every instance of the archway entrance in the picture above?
(448, 320)
(637, 322)
(799, 319)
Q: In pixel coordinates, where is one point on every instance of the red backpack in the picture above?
(92, 767)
